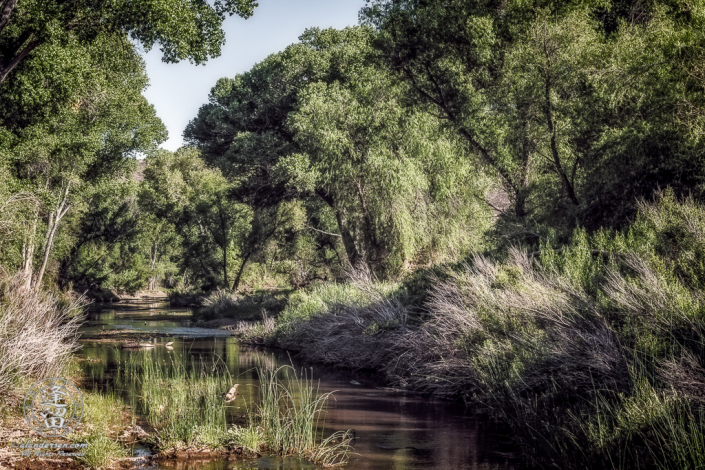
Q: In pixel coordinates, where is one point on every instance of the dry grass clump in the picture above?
(499, 329)
(357, 334)
(221, 301)
(256, 332)
(37, 335)
(594, 350)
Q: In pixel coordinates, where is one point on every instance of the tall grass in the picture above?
(221, 301)
(37, 333)
(594, 352)
(290, 413)
(182, 399)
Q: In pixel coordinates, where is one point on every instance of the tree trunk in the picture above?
(348, 241)
(6, 68)
(6, 12)
(374, 248)
(522, 192)
(225, 265)
(54, 218)
(353, 256)
(153, 265)
(236, 283)
(567, 186)
(26, 270)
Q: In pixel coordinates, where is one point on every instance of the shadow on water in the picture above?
(393, 430)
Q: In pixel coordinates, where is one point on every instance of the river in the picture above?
(393, 430)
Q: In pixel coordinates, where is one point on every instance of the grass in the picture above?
(37, 333)
(593, 352)
(227, 304)
(258, 332)
(183, 401)
(101, 451)
(289, 414)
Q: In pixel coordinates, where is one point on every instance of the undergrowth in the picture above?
(592, 352)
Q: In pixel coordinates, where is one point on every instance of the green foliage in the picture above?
(73, 115)
(179, 190)
(593, 350)
(183, 29)
(183, 401)
(101, 452)
(380, 183)
(579, 108)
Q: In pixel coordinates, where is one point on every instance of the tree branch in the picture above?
(6, 12)
(6, 69)
(322, 231)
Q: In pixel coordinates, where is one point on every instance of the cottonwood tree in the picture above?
(97, 120)
(183, 29)
(181, 188)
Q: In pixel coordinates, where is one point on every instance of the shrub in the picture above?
(37, 335)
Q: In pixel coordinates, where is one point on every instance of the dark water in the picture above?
(394, 431)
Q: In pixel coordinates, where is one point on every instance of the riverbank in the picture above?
(592, 353)
(176, 409)
(178, 413)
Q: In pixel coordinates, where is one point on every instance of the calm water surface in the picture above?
(394, 431)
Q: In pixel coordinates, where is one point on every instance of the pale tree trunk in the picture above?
(6, 11)
(154, 256)
(26, 270)
(55, 217)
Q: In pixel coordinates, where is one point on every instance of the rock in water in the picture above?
(232, 394)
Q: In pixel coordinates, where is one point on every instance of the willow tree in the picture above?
(324, 123)
(580, 108)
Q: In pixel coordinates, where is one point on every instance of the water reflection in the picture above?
(393, 431)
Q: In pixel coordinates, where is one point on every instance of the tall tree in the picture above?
(184, 29)
(324, 123)
(90, 127)
(552, 94)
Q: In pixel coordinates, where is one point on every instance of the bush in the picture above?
(593, 350)
(37, 334)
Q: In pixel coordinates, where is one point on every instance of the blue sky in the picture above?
(178, 90)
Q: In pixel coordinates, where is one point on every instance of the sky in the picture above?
(177, 91)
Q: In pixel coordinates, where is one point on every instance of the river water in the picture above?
(393, 430)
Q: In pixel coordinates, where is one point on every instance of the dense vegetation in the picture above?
(499, 201)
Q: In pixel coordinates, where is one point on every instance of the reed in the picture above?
(182, 399)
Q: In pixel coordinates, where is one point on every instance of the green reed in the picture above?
(180, 397)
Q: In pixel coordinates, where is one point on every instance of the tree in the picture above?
(571, 104)
(323, 123)
(97, 120)
(184, 29)
(180, 188)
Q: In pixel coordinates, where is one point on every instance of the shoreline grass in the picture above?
(593, 352)
(183, 401)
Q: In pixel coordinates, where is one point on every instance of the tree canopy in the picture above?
(184, 29)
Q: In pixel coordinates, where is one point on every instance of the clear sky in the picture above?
(178, 90)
